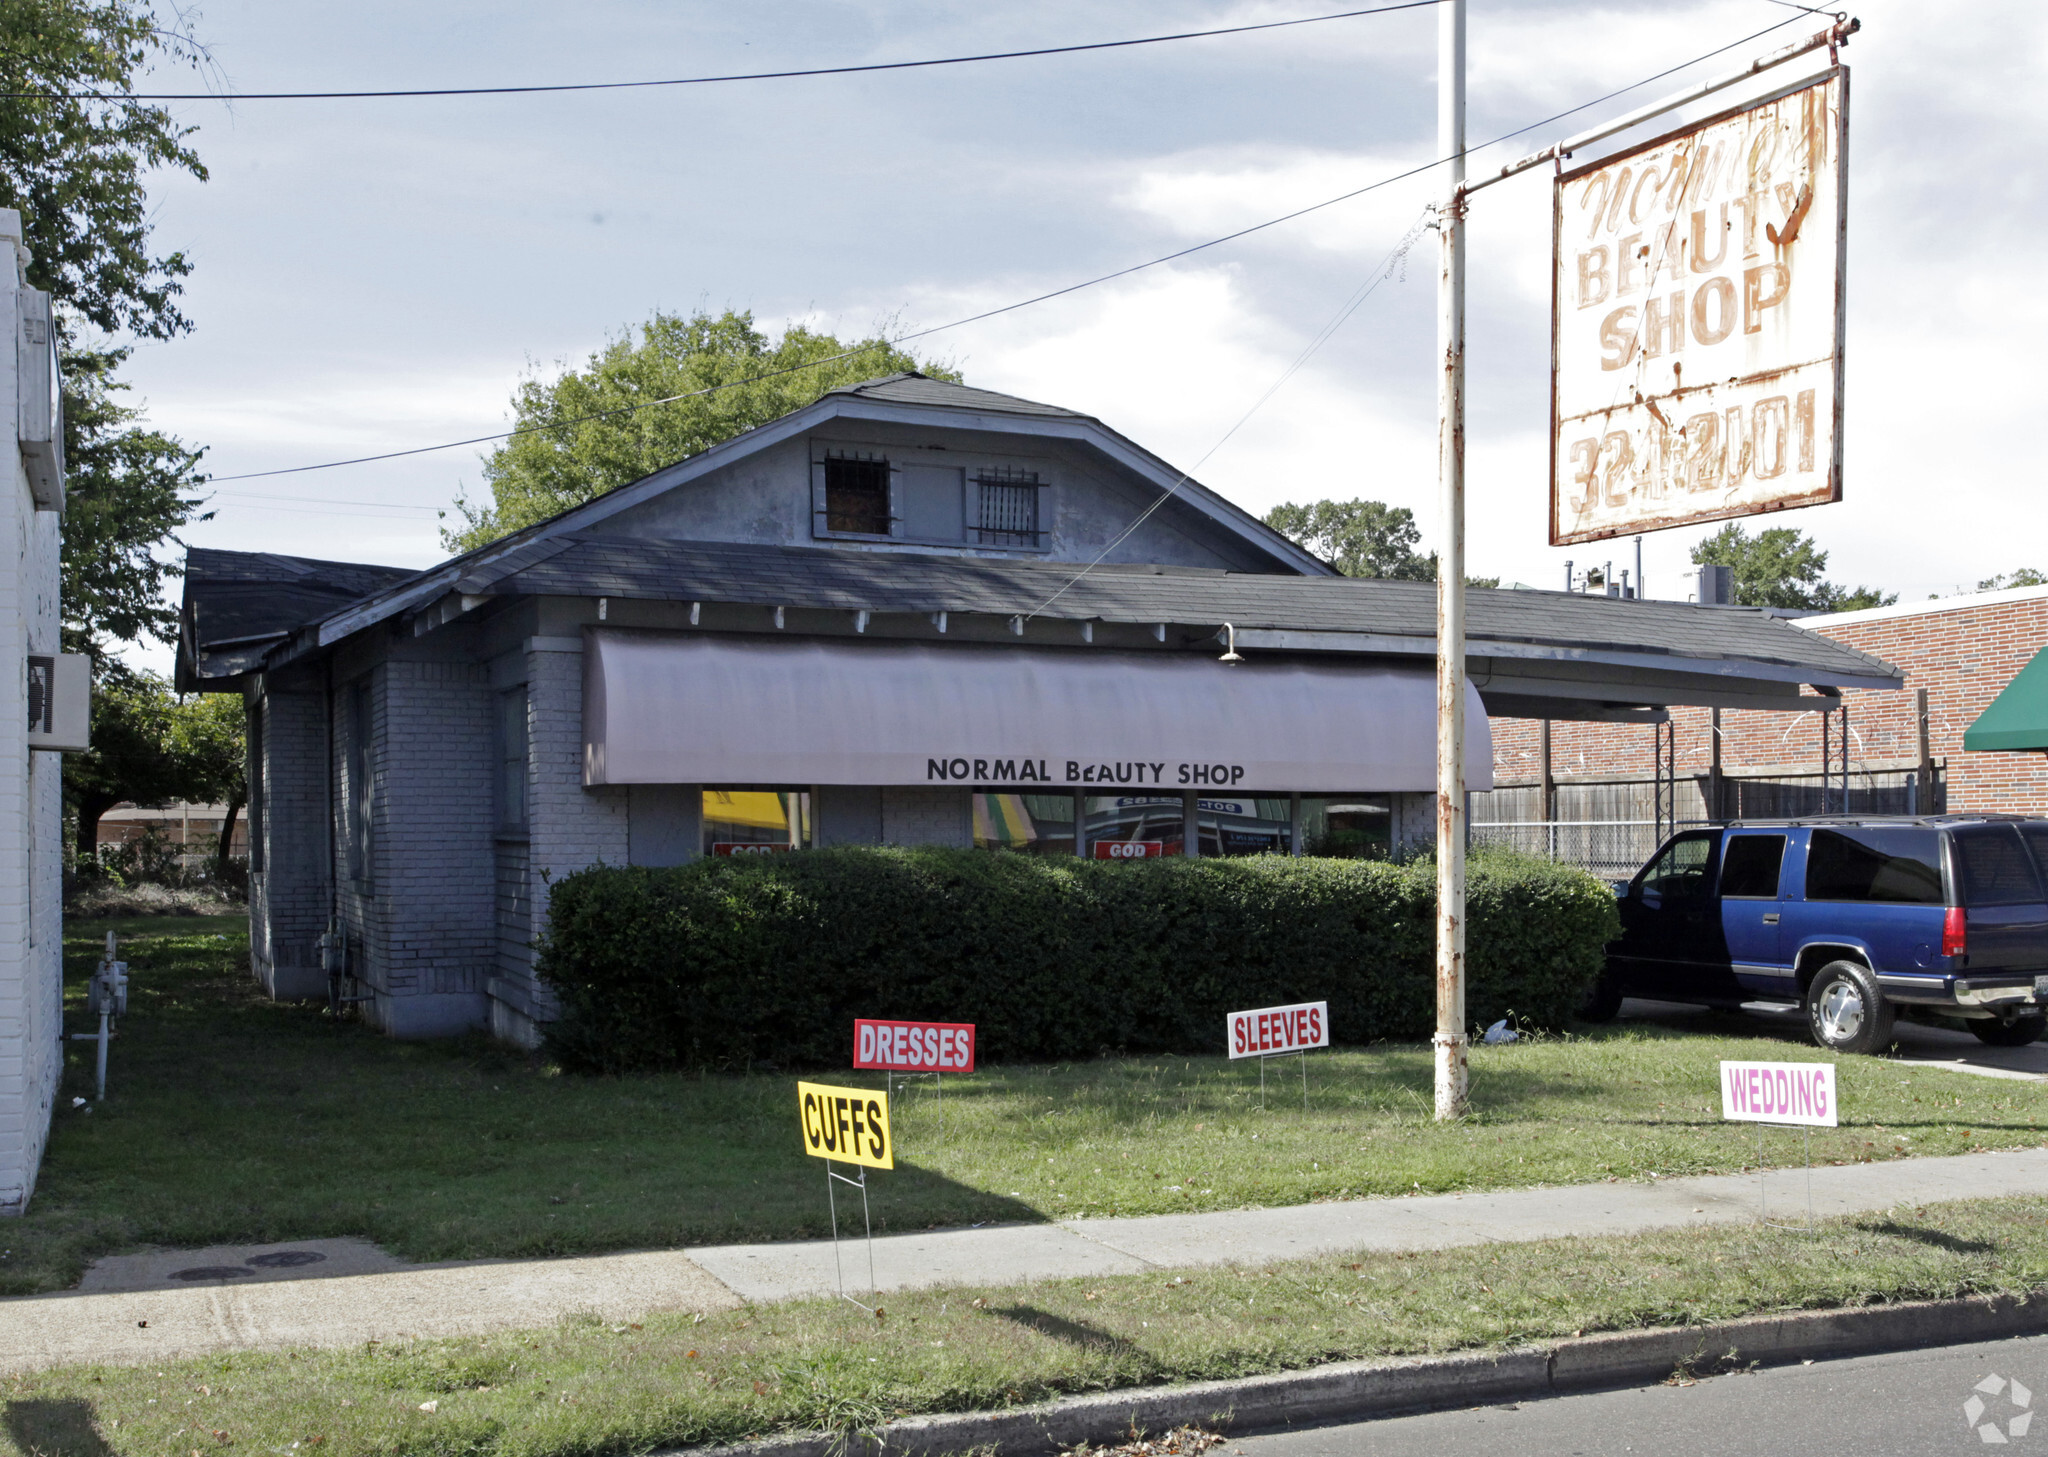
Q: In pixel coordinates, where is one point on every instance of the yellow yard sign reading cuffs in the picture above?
(1696, 346)
(850, 1125)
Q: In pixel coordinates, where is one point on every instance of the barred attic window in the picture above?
(857, 496)
(1009, 507)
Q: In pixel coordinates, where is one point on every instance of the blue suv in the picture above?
(1851, 918)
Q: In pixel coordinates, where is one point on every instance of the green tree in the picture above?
(129, 487)
(1362, 539)
(1781, 567)
(206, 740)
(151, 747)
(131, 759)
(584, 433)
(1358, 538)
(2019, 577)
(74, 153)
(76, 157)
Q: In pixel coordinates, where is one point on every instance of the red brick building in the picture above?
(1958, 652)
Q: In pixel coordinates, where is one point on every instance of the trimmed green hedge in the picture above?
(729, 962)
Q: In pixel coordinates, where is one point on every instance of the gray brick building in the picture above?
(911, 613)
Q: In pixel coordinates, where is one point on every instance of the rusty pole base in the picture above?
(1453, 1076)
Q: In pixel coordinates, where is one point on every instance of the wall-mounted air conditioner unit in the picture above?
(59, 701)
(40, 416)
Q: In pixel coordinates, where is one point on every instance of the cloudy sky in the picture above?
(377, 275)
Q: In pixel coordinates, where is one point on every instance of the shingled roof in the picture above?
(237, 604)
(920, 389)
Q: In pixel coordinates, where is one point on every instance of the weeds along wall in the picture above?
(725, 963)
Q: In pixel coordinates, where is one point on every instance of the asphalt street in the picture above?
(1904, 1405)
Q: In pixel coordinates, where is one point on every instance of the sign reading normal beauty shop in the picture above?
(1696, 345)
(1779, 1092)
(849, 1125)
(1270, 1030)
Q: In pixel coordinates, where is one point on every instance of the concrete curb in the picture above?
(1355, 1390)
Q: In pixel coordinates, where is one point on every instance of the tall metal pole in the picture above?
(1451, 1075)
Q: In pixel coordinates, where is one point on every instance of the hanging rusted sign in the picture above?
(1696, 340)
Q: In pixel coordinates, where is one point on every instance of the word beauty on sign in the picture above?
(1801, 1093)
(913, 1047)
(849, 1125)
(1270, 1030)
(1696, 330)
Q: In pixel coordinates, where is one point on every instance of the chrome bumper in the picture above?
(1968, 995)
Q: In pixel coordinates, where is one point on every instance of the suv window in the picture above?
(1684, 869)
(1994, 867)
(1749, 865)
(2035, 833)
(1900, 865)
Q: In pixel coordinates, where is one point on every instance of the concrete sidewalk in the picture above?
(1430, 1222)
(175, 1307)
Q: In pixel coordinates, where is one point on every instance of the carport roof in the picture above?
(1533, 653)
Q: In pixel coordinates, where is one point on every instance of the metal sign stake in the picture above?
(938, 1090)
(1763, 1211)
(832, 1202)
(1268, 1057)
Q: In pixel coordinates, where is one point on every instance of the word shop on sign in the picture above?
(1797, 1093)
(849, 1125)
(1271, 1030)
(1697, 321)
(913, 1047)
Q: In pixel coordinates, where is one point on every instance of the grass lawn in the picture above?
(233, 1119)
(582, 1388)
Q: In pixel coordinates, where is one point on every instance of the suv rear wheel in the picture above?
(2019, 1032)
(1845, 1010)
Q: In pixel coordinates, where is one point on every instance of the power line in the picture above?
(1337, 321)
(1103, 45)
(1011, 307)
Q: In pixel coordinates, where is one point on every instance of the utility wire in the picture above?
(1337, 321)
(1102, 45)
(1006, 308)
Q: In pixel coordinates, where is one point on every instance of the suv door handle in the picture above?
(1770, 918)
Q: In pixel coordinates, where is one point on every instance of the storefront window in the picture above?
(1134, 826)
(756, 821)
(1349, 826)
(1234, 825)
(1033, 824)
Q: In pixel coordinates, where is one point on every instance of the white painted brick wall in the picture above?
(31, 836)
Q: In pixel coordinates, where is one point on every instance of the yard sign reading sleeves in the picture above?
(1696, 338)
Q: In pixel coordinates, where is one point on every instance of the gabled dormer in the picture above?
(912, 464)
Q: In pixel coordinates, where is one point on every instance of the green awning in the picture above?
(2018, 717)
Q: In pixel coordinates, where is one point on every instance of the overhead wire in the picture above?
(857, 70)
(1322, 336)
(916, 334)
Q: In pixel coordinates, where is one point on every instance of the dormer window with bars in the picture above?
(929, 496)
(857, 495)
(1008, 501)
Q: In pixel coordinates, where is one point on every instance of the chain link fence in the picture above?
(1610, 849)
